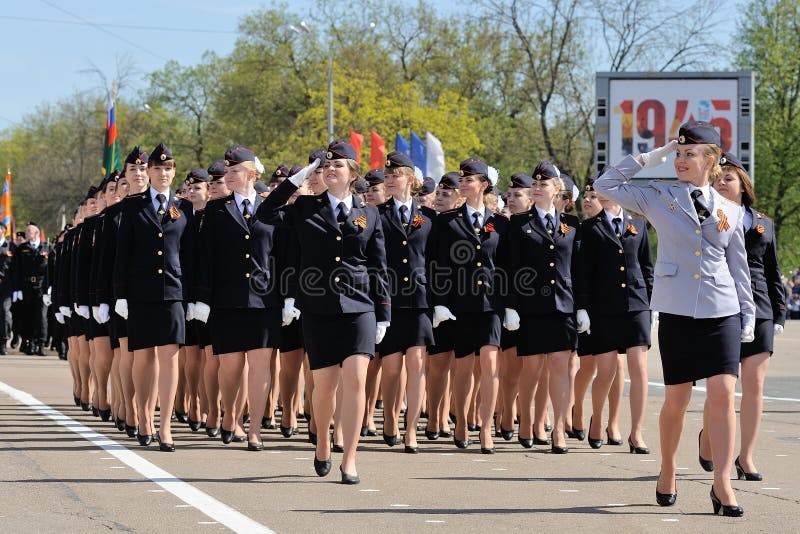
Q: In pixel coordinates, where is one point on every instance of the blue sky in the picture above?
(47, 43)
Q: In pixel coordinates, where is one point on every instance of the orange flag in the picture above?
(377, 151)
(356, 139)
(5, 203)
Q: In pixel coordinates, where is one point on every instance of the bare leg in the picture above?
(754, 370)
(462, 393)
(415, 391)
(615, 394)
(670, 422)
(354, 376)
(231, 369)
(128, 384)
(258, 377)
(606, 370)
(637, 369)
(145, 375)
(722, 433)
(559, 363)
(211, 380)
(192, 372)
(588, 366)
(530, 377)
(167, 385)
(490, 381)
(291, 366)
(391, 371)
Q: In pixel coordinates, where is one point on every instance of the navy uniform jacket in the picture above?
(542, 268)
(103, 258)
(235, 268)
(147, 267)
(405, 253)
(190, 253)
(63, 291)
(85, 251)
(342, 269)
(701, 269)
(616, 274)
(463, 270)
(765, 273)
(5, 269)
(29, 268)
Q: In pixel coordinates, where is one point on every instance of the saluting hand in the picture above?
(440, 314)
(298, 178)
(658, 156)
(511, 320)
(583, 321)
(380, 331)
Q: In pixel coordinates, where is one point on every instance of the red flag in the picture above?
(6, 216)
(356, 139)
(377, 151)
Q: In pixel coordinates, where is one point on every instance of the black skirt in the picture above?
(763, 342)
(191, 334)
(292, 336)
(410, 327)
(692, 349)
(117, 329)
(442, 338)
(331, 339)
(618, 332)
(508, 339)
(77, 325)
(471, 331)
(95, 329)
(243, 329)
(585, 347)
(543, 334)
(153, 324)
(203, 334)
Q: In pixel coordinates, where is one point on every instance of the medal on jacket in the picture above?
(760, 229)
(418, 221)
(489, 227)
(565, 229)
(631, 229)
(174, 212)
(722, 225)
(361, 221)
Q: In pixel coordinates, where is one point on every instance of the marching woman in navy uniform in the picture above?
(147, 285)
(343, 293)
(614, 290)
(770, 299)
(519, 201)
(701, 291)
(406, 227)
(543, 248)
(441, 355)
(236, 285)
(464, 288)
(133, 180)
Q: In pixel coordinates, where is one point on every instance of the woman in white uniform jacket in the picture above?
(701, 289)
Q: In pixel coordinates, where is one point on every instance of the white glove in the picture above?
(16, 296)
(441, 313)
(65, 311)
(47, 300)
(748, 334)
(653, 320)
(511, 320)
(380, 331)
(121, 307)
(583, 321)
(102, 313)
(189, 311)
(83, 311)
(658, 156)
(201, 311)
(96, 314)
(289, 313)
(59, 317)
(298, 178)
(778, 329)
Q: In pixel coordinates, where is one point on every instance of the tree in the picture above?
(768, 44)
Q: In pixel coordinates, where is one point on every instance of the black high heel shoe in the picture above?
(95, 411)
(194, 425)
(255, 446)
(742, 474)
(635, 449)
(707, 465)
(120, 423)
(322, 467)
(409, 449)
(548, 427)
(86, 406)
(226, 435)
(348, 479)
(594, 443)
(337, 448)
(527, 443)
(288, 432)
(105, 415)
(610, 440)
(163, 446)
(431, 436)
(182, 417)
(724, 509)
(556, 449)
(212, 432)
(445, 434)
(77, 400)
(312, 438)
(391, 440)
(507, 435)
(145, 440)
(267, 424)
(666, 499)
(131, 431)
(462, 444)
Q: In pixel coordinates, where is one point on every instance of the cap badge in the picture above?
(163, 157)
(681, 139)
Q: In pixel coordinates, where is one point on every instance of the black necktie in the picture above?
(246, 209)
(476, 217)
(617, 226)
(404, 215)
(341, 217)
(700, 205)
(550, 225)
(162, 209)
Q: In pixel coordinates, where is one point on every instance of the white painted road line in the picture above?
(216, 510)
(698, 388)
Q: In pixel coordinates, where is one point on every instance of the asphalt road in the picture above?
(62, 470)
